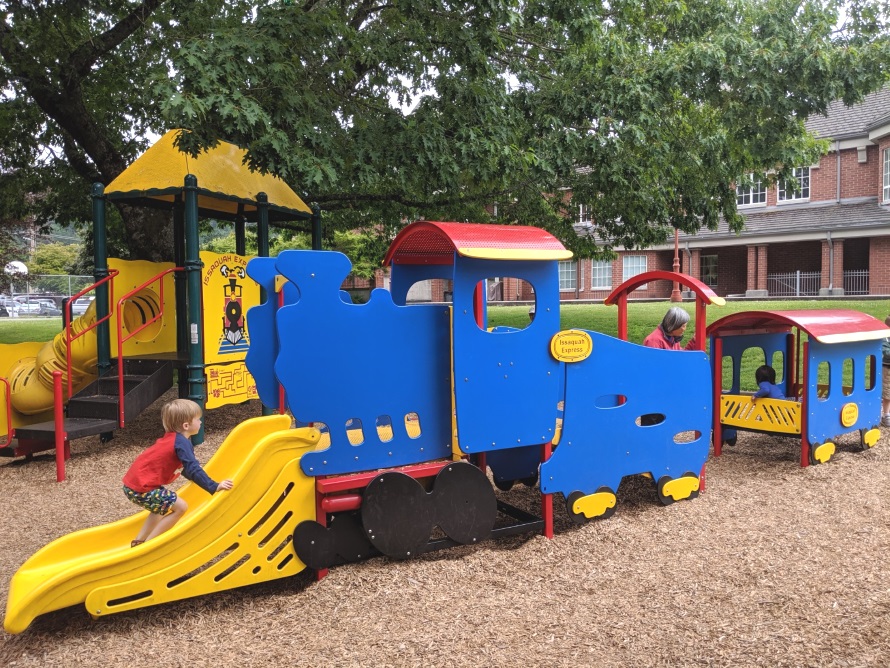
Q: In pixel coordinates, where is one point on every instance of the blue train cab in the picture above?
(827, 364)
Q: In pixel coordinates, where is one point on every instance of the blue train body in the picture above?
(397, 385)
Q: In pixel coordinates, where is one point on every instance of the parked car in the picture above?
(80, 306)
(8, 306)
(29, 308)
(48, 307)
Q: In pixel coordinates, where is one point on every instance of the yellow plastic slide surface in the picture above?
(226, 540)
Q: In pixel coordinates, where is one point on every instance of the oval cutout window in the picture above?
(610, 401)
(412, 425)
(354, 431)
(384, 428)
(649, 420)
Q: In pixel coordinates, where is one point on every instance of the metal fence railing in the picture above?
(56, 284)
(794, 284)
(856, 281)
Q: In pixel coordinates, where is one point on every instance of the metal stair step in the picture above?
(75, 428)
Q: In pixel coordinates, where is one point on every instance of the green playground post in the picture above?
(100, 271)
(195, 367)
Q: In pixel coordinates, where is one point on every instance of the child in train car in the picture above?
(159, 465)
(766, 383)
(885, 382)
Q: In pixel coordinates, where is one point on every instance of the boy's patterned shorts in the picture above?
(158, 501)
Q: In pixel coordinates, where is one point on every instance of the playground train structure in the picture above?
(408, 417)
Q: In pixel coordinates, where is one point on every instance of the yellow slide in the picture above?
(228, 540)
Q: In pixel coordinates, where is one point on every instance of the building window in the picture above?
(584, 215)
(886, 175)
(568, 275)
(752, 194)
(802, 175)
(633, 265)
(709, 270)
(600, 275)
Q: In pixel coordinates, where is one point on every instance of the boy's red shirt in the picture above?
(157, 465)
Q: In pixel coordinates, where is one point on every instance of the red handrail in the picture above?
(67, 318)
(120, 332)
(10, 432)
(61, 436)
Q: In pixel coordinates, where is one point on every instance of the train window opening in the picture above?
(870, 368)
(690, 436)
(426, 291)
(649, 420)
(752, 359)
(384, 428)
(849, 377)
(778, 364)
(354, 431)
(823, 381)
(509, 288)
(610, 400)
(726, 374)
(412, 425)
(325, 440)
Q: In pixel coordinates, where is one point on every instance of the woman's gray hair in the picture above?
(674, 319)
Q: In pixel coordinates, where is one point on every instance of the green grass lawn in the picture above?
(19, 330)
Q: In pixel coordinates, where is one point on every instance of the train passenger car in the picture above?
(417, 398)
(827, 364)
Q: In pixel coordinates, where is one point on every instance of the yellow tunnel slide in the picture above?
(227, 540)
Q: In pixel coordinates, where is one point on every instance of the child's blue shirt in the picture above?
(769, 391)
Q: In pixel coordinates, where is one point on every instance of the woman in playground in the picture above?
(766, 384)
(669, 333)
(159, 464)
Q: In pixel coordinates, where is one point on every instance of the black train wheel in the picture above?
(396, 515)
(579, 517)
(684, 487)
(465, 504)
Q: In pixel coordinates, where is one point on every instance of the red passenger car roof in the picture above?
(826, 326)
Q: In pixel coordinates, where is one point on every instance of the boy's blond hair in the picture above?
(177, 412)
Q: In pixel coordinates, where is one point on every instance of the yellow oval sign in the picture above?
(572, 345)
(849, 414)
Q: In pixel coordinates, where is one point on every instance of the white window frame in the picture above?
(627, 272)
(707, 278)
(584, 215)
(568, 275)
(600, 274)
(802, 174)
(753, 195)
(886, 189)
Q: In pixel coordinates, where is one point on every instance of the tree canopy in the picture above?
(646, 110)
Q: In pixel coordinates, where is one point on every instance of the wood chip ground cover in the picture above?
(773, 565)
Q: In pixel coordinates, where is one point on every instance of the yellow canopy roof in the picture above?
(224, 182)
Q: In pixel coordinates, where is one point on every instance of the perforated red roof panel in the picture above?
(826, 326)
(429, 242)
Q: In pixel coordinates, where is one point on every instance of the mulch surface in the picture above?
(774, 565)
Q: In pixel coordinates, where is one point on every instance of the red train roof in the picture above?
(826, 326)
(429, 242)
